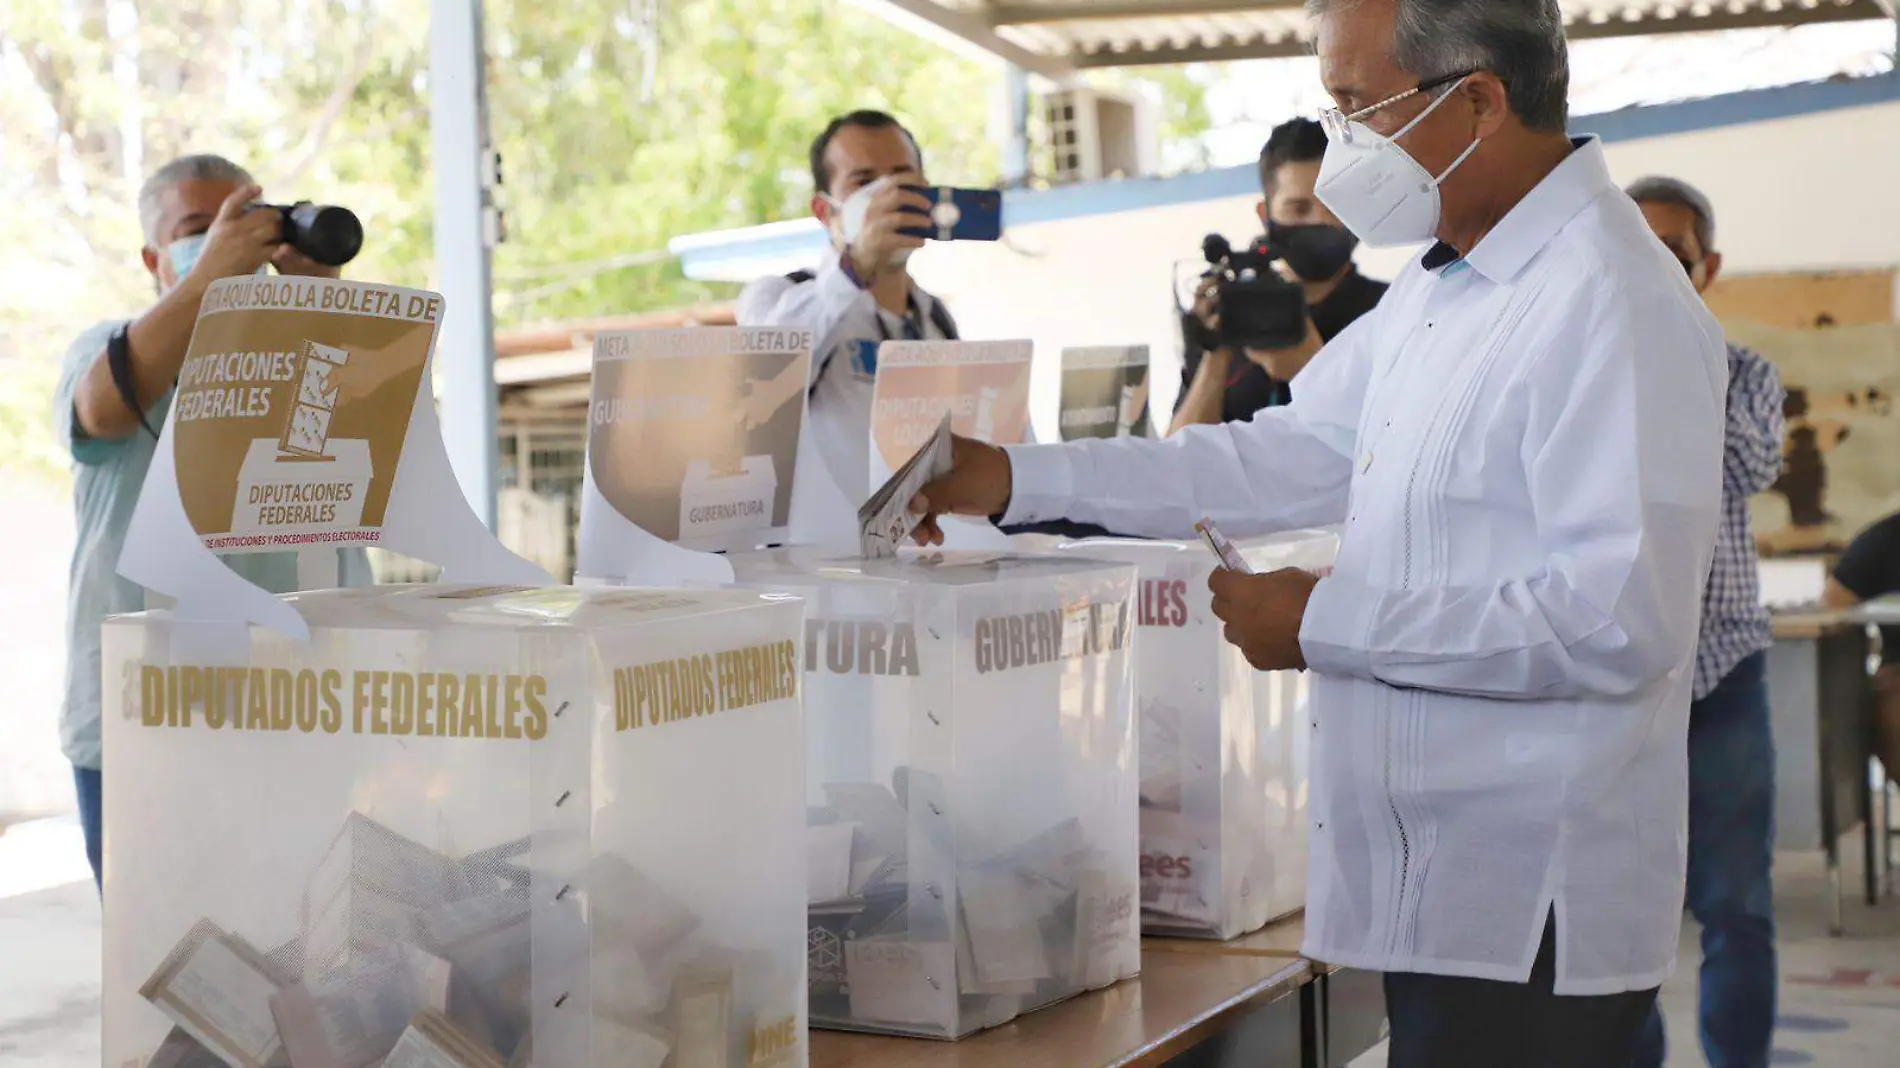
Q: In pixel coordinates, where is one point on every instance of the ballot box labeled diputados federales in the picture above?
(461, 827)
(971, 783)
(1223, 747)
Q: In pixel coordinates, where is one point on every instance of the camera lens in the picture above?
(326, 233)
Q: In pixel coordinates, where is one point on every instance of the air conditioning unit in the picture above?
(1092, 134)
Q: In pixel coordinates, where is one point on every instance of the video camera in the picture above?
(326, 233)
(1258, 308)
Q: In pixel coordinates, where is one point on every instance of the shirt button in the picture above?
(1365, 463)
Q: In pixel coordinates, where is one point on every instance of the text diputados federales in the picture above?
(311, 701)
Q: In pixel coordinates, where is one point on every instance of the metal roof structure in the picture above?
(1056, 38)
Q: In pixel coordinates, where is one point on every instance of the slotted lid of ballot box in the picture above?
(461, 826)
(971, 783)
(1223, 747)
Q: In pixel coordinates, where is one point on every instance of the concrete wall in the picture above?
(1811, 192)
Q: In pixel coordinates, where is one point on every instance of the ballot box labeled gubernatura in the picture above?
(1223, 747)
(971, 783)
(461, 826)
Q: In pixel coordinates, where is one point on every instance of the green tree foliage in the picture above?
(621, 124)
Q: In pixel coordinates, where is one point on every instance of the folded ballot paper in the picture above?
(885, 521)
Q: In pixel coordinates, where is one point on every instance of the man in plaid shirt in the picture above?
(1731, 746)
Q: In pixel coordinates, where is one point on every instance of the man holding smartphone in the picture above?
(865, 170)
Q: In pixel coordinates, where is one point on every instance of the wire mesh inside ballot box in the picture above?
(971, 785)
(461, 827)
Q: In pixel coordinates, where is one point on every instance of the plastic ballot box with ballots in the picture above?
(971, 783)
(1223, 747)
(461, 826)
(485, 823)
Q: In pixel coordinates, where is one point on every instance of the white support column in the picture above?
(465, 228)
(1016, 162)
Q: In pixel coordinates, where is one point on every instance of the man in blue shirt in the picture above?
(1731, 745)
(115, 387)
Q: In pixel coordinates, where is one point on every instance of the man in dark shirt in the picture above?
(1870, 568)
(1221, 386)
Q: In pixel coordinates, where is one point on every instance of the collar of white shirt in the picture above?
(1525, 229)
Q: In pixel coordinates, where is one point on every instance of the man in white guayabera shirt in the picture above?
(1524, 442)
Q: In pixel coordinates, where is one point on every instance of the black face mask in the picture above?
(1316, 252)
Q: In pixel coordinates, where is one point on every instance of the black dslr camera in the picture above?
(1258, 308)
(326, 233)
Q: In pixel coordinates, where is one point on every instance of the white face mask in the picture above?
(1378, 190)
(847, 216)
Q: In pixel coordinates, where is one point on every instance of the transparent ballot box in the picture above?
(1223, 747)
(462, 827)
(971, 784)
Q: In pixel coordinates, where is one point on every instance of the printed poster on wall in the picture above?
(1842, 433)
(300, 422)
(692, 440)
(1105, 392)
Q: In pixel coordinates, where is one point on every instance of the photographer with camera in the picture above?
(1306, 247)
(202, 222)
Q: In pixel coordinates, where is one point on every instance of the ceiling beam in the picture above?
(1259, 48)
(1790, 14)
(967, 32)
(1169, 55)
(1030, 13)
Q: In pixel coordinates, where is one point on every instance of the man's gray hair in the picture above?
(202, 167)
(1656, 189)
(1519, 41)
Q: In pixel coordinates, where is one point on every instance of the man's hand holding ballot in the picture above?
(978, 485)
(1261, 614)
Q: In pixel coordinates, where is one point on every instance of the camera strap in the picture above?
(119, 365)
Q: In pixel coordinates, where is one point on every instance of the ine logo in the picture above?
(307, 432)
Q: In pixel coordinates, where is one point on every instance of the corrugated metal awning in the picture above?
(1056, 37)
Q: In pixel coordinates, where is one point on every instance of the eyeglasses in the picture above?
(1338, 125)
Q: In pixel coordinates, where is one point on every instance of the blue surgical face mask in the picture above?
(185, 251)
(184, 254)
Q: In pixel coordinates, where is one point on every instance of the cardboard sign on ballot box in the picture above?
(1223, 747)
(971, 783)
(692, 449)
(982, 385)
(482, 824)
(1104, 392)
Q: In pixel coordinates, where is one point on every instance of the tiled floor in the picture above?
(1840, 997)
